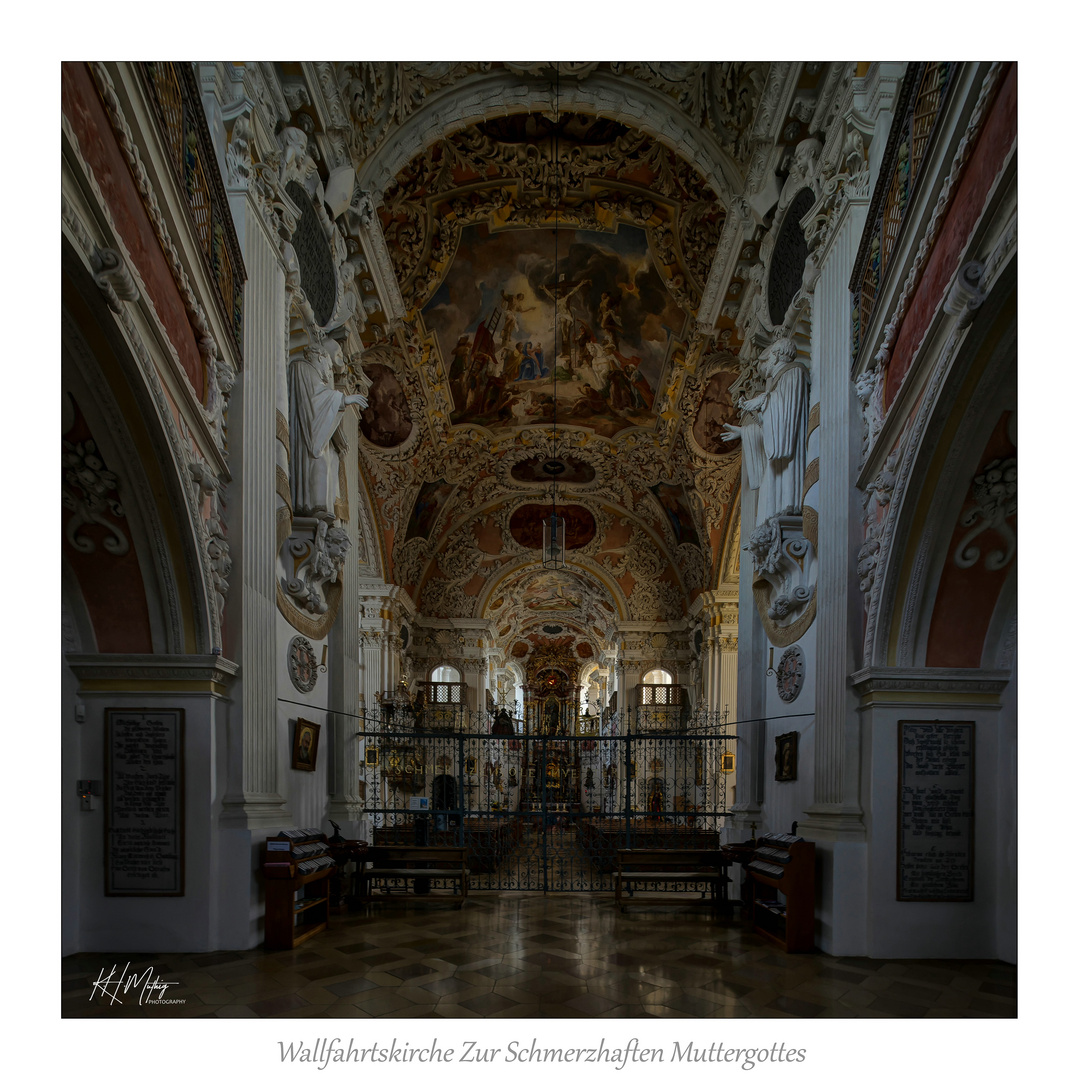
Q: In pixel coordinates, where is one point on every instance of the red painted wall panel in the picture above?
(83, 108)
(966, 598)
(996, 139)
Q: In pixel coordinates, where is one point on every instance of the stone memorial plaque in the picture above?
(144, 801)
(935, 854)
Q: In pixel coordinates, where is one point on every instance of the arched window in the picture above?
(445, 686)
(658, 688)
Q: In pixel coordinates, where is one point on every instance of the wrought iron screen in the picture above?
(548, 813)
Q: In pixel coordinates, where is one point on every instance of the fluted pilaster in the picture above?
(345, 653)
(254, 796)
(836, 806)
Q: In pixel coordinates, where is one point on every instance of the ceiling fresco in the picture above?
(498, 309)
(551, 276)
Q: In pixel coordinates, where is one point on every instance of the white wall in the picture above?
(151, 924)
(915, 929)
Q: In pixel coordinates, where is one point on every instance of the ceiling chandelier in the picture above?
(554, 527)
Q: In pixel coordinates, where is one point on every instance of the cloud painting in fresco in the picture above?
(495, 315)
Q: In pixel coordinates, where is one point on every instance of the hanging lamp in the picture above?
(554, 526)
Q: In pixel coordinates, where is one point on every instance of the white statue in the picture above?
(803, 172)
(773, 433)
(315, 409)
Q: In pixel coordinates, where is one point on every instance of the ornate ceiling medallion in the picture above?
(533, 471)
(302, 665)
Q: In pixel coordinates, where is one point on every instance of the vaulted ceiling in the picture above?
(521, 202)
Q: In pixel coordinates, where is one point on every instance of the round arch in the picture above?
(486, 96)
(119, 398)
(918, 591)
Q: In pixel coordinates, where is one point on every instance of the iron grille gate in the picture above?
(546, 813)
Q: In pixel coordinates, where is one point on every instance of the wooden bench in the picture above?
(403, 863)
(688, 870)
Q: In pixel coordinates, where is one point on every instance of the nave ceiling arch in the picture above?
(556, 275)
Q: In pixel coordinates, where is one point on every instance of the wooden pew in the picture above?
(702, 871)
(398, 865)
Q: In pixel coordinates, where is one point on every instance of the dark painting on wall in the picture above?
(715, 410)
(787, 756)
(305, 745)
(385, 421)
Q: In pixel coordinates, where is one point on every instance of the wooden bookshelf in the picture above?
(780, 890)
(296, 868)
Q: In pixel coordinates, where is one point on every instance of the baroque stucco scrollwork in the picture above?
(773, 431)
(323, 376)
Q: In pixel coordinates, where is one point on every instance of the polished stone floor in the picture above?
(530, 955)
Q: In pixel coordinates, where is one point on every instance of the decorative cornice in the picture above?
(871, 680)
(95, 669)
(368, 228)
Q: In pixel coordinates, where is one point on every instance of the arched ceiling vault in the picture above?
(708, 113)
(552, 268)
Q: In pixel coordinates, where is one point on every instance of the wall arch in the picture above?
(963, 404)
(143, 447)
(487, 96)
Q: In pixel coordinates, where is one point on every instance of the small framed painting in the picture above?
(787, 756)
(305, 745)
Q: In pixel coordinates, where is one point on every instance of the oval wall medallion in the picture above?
(302, 665)
(790, 673)
(387, 420)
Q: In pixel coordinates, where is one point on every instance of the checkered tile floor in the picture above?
(525, 955)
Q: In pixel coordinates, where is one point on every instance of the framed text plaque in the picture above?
(935, 851)
(144, 802)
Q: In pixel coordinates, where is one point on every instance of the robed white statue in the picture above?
(773, 433)
(315, 410)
